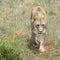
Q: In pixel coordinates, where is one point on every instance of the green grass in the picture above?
(15, 15)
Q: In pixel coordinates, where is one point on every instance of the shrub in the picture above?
(9, 53)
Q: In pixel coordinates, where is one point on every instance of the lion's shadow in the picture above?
(31, 47)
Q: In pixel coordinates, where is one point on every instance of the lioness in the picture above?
(38, 24)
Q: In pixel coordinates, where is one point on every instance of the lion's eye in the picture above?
(34, 19)
(42, 24)
(37, 25)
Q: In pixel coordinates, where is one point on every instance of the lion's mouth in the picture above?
(40, 32)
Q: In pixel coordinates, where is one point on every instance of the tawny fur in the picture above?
(36, 10)
(38, 16)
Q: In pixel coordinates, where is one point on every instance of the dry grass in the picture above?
(15, 22)
(19, 33)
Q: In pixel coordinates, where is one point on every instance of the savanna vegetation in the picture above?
(15, 30)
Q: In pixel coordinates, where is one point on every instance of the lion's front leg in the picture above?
(41, 45)
(35, 42)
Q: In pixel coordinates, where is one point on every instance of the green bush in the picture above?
(8, 53)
